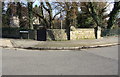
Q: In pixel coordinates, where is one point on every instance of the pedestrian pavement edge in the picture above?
(8, 43)
(69, 48)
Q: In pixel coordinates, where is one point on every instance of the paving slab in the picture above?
(60, 45)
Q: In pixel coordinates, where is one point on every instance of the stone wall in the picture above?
(56, 34)
(84, 33)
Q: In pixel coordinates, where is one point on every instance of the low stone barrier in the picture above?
(85, 33)
(56, 34)
(60, 34)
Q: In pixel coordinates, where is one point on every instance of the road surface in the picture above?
(97, 61)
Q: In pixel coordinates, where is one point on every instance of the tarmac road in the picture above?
(97, 61)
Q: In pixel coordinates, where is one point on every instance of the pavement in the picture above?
(59, 45)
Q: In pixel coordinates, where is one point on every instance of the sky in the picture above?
(109, 8)
(37, 2)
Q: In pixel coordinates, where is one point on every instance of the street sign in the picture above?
(61, 17)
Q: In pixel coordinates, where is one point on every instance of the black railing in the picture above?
(110, 32)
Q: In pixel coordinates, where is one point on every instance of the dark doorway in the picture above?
(41, 34)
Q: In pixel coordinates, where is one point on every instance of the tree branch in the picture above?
(57, 14)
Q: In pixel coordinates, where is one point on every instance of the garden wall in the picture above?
(77, 34)
(56, 34)
(86, 33)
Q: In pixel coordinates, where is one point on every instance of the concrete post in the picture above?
(98, 32)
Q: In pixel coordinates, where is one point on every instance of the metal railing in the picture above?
(110, 32)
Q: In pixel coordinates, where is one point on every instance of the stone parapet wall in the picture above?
(84, 33)
(56, 34)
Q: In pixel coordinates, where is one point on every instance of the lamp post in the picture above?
(61, 18)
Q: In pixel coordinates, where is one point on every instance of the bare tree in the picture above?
(46, 7)
(96, 10)
(71, 10)
(113, 14)
(30, 14)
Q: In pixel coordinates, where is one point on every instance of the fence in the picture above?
(10, 32)
(18, 33)
(110, 32)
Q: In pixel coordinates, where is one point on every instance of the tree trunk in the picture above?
(68, 28)
(30, 15)
(93, 13)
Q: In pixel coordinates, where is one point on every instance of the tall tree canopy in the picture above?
(96, 10)
(113, 14)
